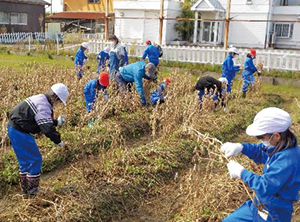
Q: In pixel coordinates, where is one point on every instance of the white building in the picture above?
(56, 6)
(139, 30)
(277, 23)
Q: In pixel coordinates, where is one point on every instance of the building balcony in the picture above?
(286, 10)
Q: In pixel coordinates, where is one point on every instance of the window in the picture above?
(283, 30)
(4, 18)
(249, 2)
(93, 1)
(284, 2)
(18, 18)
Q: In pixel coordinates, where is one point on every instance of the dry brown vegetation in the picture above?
(132, 154)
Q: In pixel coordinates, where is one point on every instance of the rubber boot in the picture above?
(33, 185)
(24, 185)
(244, 95)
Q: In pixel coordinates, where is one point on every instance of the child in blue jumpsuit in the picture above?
(228, 68)
(103, 56)
(152, 52)
(158, 95)
(91, 89)
(116, 56)
(249, 69)
(277, 187)
(134, 73)
(79, 59)
(31, 116)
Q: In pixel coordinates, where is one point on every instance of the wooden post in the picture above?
(227, 20)
(106, 21)
(161, 20)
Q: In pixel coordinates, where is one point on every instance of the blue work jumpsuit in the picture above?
(90, 93)
(134, 72)
(229, 70)
(153, 54)
(249, 69)
(102, 57)
(157, 95)
(79, 58)
(277, 187)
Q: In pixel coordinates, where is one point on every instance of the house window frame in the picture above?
(18, 18)
(8, 17)
(290, 30)
(93, 1)
(284, 2)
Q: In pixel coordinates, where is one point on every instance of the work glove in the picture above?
(106, 97)
(61, 144)
(259, 72)
(235, 169)
(231, 149)
(61, 120)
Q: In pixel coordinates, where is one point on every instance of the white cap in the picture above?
(107, 49)
(85, 45)
(222, 79)
(234, 50)
(269, 120)
(61, 91)
(123, 45)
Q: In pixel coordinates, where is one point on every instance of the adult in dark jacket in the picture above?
(31, 116)
(134, 73)
(211, 86)
(152, 52)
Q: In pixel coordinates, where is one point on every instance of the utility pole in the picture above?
(51, 6)
(161, 20)
(106, 20)
(227, 21)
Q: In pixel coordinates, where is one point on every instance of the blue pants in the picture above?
(202, 93)
(113, 65)
(78, 71)
(88, 102)
(249, 213)
(248, 80)
(155, 63)
(26, 150)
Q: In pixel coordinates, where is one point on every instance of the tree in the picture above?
(185, 29)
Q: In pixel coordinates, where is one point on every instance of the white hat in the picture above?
(107, 49)
(85, 45)
(234, 50)
(222, 79)
(269, 120)
(61, 91)
(123, 45)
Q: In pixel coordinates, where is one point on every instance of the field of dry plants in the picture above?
(153, 163)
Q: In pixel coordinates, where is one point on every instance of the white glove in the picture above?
(61, 144)
(231, 149)
(235, 169)
(61, 120)
(259, 71)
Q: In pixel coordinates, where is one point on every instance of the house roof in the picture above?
(33, 2)
(78, 15)
(208, 5)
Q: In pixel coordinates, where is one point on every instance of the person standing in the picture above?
(102, 57)
(79, 59)
(152, 52)
(249, 69)
(277, 188)
(116, 59)
(228, 68)
(31, 116)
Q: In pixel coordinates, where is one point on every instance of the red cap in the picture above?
(104, 79)
(253, 52)
(148, 42)
(167, 80)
